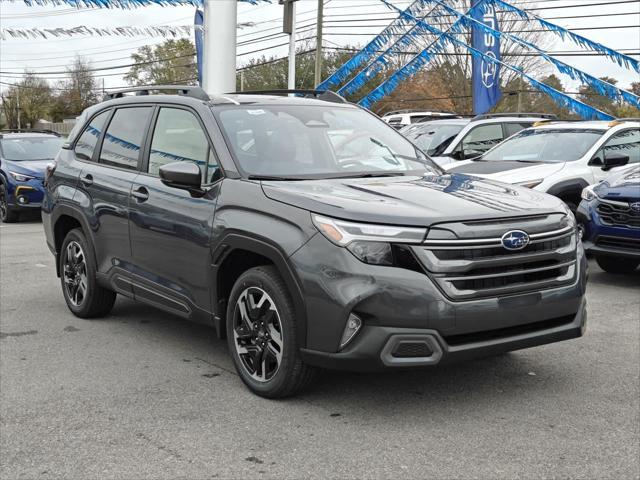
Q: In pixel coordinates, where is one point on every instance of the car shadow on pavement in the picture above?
(476, 382)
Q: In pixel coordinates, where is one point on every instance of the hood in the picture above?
(34, 168)
(418, 201)
(507, 171)
(622, 186)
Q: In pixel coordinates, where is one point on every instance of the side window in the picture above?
(626, 142)
(87, 141)
(178, 137)
(513, 128)
(122, 142)
(481, 139)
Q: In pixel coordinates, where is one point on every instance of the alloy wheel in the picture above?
(3, 203)
(257, 333)
(75, 273)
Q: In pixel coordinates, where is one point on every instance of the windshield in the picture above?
(30, 148)
(434, 138)
(546, 145)
(303, 141)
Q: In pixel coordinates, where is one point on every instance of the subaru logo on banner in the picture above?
(486, 74)
(198, 21)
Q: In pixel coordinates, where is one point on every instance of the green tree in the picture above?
(77, 92)
(590, 96)
(171, 62)
(34, 96)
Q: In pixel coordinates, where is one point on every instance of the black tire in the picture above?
(617, 265)
(7, 215)
(292, 375)
(97, 301)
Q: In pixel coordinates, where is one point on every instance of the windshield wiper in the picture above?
(372, 175)
(275, 178)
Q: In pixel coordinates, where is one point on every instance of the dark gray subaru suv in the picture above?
(306, 231)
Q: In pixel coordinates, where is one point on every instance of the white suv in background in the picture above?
(455, 139)
(560, 158)
(402, 118)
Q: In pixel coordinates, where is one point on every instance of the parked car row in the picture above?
(310, 234)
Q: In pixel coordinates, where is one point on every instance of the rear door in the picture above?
(106, 180)
(171, 227)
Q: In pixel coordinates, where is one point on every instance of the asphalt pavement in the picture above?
(145, 395)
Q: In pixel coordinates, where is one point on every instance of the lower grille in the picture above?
(507, 332)
(412, 349)
(620, 243)
(482, 268)
(618, 214)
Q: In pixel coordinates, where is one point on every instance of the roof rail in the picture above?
(29, 130)
(185, 90)
(418, 111)
(514, 115)
(326, 95)
(629, 119)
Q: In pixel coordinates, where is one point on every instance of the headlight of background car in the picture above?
(530, 183)
(589, 193)
(20, 177)
(369, 243)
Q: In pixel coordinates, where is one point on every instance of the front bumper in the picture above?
(26, 195)
(394, 302)
(607, 240)
(374, 348)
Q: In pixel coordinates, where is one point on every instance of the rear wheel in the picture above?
(261, 333)
(7, 214)
(84, 297)
(617, 265)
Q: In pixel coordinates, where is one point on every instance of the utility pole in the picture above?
(18, 106)
(318, 72)
(242, 80)
(520, 95)
(219, 62)
(289, 26)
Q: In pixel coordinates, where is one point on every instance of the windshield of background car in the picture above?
(546, 145)
(434, 138)
(30, 148)
(311, 141)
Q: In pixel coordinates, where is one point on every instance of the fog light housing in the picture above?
(23, 200)
(353, 326)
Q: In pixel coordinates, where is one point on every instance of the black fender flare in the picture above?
(262, 246)
(571, 186)
(75, 213)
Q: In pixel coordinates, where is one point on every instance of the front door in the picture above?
(625, 142)
(170, 227)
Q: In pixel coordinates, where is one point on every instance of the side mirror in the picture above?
(614, 160)
(469, 154)
(184, 175)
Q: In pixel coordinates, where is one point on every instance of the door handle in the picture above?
(87, 180)
(141, 194)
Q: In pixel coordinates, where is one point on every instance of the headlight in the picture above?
(20, 177)
(530, 183)
(369, 243)
(589, 193)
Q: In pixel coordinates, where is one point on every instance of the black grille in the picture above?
(525, 279)
(507, 332)
(622, 243)
(618, 214)
(476, 253)
(412, 349)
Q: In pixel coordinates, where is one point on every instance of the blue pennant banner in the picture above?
(485, 74)
(602, 87)
(444, 39)
(396, 27)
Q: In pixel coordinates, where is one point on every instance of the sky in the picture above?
(621, 19)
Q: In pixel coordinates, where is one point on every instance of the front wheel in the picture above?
(7, 215)
(617, 265)
(261, 334)
(84, 297)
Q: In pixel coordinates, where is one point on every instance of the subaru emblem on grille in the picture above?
(635, 207)
(515, 240)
